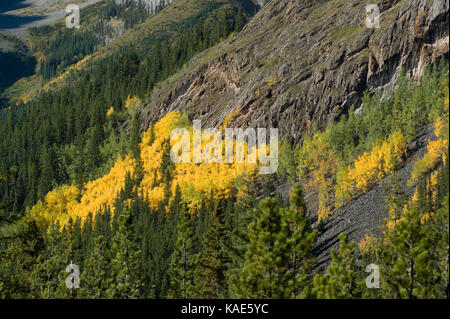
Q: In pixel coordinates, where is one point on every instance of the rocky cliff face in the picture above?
(299, 62)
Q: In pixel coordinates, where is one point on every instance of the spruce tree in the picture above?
(266, 259)
(19, 253)
(213, 259)
(66, 255)
(80, 165)
(344, 278)
(395, 198)
(135, 136)
(96, 275)
(301, 240)
(240, 20)
(414, 255)
(77, 240)
(125, 261)
(47, 173)
(183, 261)
(47, 278)
(239, 214)
(279, 257)
(167, 166)
(151, 139)
(93, 150)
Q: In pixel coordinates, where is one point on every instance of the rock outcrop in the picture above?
(299, 62)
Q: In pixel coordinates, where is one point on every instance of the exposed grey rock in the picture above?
(323, 57)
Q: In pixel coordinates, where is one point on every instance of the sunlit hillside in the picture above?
(196, 181)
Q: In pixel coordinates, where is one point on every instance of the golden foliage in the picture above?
(439, 126)
(365, 243)
(324, 209)
(436, 152)
(316, 160)
(272, 81)
(230, 118)
(317, 164)
(56, 206)
(61, 79)
(132, 103)
(61, 203)
(103, 191)
(371, 167)
(196, 181)
(110, 111)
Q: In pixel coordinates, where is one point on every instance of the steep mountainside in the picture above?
(115, 31)
(299, 62)
(302, 62)
(99, 164)
(16, 16)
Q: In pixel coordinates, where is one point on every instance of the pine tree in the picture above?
(135, 147)
(263, 273)
(96, 277)
(125, 261)
(18, 259)
(151, 139)
(344, 278)
(93, 149)
(439, 284)
(167, 170)
(444, 180)
(86, 233)
(414, 255)
(167, 166)
(183, 261)
(240, 20)
(176, 203)
(301, 240)
(239, 214)
(213, 259)
(77, 240)
(280, 257)
(66, 254)
(47, 173)
(135, 136)
(395, 198)
(80, 166)
(51, 265)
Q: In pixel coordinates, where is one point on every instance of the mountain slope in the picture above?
(112, 38)
(87, 166)
(299, 62)
(302, 64)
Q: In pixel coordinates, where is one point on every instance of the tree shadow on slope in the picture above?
(13, 21)
(14, 65)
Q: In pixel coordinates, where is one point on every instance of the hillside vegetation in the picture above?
(86, 174)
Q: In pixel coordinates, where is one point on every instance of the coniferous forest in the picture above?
(84, 182)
